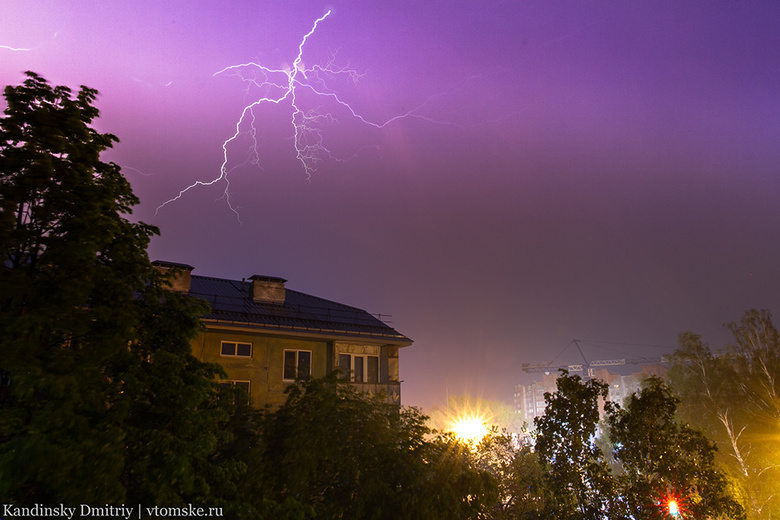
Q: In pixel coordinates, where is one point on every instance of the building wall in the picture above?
(529, 399)
(264, 367)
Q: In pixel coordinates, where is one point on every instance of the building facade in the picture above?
(266, 336)
(529, 399)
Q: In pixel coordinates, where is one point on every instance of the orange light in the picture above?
(470, 428)
(673, 504)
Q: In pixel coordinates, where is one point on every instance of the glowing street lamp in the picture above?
(470, 429)
(673, 508)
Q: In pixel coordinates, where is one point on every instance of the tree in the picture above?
(100, 397)
(71, 266)
(733, 395)
(664, 460)
(577, 474)
(656, 458)
(174, 426)
(335, 452)
(527, 495)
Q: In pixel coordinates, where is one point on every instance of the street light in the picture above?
(470, 428)
(673, 508)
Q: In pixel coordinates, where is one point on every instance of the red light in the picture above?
(672, 504)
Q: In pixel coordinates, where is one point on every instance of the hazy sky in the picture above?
(601, 170)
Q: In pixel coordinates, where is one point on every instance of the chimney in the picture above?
(179, 274)
(267, 289)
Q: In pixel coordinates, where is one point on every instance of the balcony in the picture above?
(392, 390)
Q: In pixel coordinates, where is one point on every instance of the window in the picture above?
(362, 369)
(235, 349)
(244, 385)
(297, 364)
(243, 394)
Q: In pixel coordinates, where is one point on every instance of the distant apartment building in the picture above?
(266, 336)
(529, 399)
(622, 386)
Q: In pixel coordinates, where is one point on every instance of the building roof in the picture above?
(231, 302)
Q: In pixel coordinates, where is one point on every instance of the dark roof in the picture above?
(166, 264)
(231, 301)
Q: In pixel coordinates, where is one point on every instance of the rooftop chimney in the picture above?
(180, 274)
(267, 289)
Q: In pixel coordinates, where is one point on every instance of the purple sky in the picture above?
(608, 171)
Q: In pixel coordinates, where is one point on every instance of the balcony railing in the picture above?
(391, 390)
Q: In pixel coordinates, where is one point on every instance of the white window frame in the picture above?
(236, 354)
(351, 367)
(297, 362)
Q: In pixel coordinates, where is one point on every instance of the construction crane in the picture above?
(587, 366)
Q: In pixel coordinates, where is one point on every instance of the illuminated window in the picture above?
(235, 349)
(362, 369)
(297, 364)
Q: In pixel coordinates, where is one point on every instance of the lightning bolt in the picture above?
(15, 49)
(27, 49)
(285, 86)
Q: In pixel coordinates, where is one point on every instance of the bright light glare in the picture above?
(470, 428)
(674, 510)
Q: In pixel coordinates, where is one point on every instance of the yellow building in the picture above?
(266, 336)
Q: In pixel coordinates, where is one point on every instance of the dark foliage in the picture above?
(101, 399)
(734, 395)
(334, 452)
